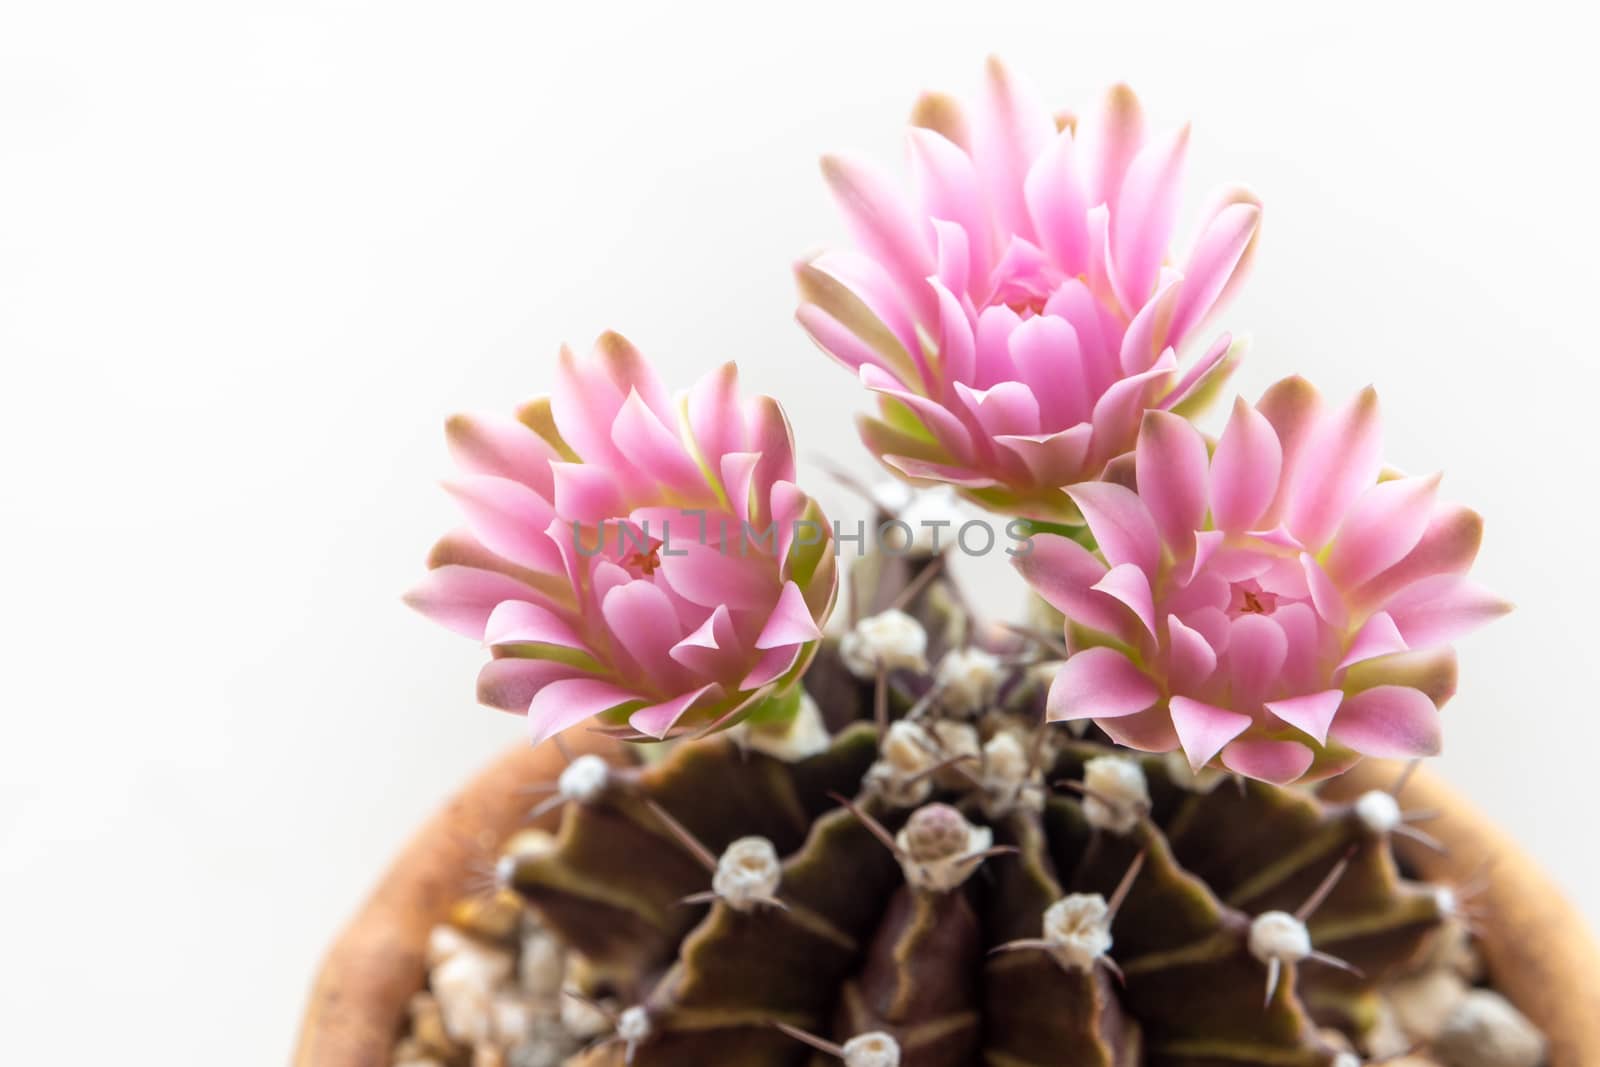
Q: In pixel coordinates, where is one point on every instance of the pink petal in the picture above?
(1325, 595)
(1044, 350)
(1052, 458)
(1205, 377)
(738, 470)
(1279, 762)
(1310, 713)
(503, 447)
(1378, 636)
(1145, 213)
(654, 449)
(657, 719)
(1435, 672)
(1063, 573)
(645, 624)
(713, 650)
(1448, 546)
(1244, 470)
(1058, 205)
(1340, 461)
(767, 430)
(1129, 585)
(836, 339)
(948, 473)
(714, 417)
(1212, 265)
(1098, 683)
(564, 703)
(1173, 472)
(1389, 722)
(516, 622)
(587, 492)
(1192, 660)
(947, 188)
(883, 226)
(707, 576)
(511, 683)
(1121, 408)
(1204, 729)
(1257, 649)
(1010, 132)
(1385, 523)
(1435, 611)
(771, 665)
(1293, 407)
(1108, 139)
(1004, 408)
(1121, 524)
(630, 372)
(462, 598)
(790, 623)
(954, 257)
(1146, 337)
(508, 518)
(958, 352)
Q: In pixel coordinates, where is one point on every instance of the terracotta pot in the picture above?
(1539, 950)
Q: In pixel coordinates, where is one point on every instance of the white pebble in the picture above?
(1485, 1030)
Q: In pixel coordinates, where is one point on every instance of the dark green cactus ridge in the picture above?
(962, 971)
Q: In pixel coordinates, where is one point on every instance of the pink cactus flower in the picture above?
(1276, 605)
(1020, 311)
(630, 556)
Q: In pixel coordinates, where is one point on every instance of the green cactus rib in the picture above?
(851, 946)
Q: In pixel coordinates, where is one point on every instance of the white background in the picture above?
(251, 255)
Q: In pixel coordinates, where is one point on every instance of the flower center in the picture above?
(1248, 598)
(643, 564)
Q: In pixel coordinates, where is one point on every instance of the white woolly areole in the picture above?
(968, 679)
(1277, 935)
(889, 640)
(1183, 776)
(1117, 795)
(936, 847)
(1447, 901)
(633, 1025)
(1078, 928)
(873, 1049)
(1007, 775)
(747, 873)
(1347, 1059)
(1378, 811)
(585, 779)
(907, 751)
(802, 737)
(581, 1019)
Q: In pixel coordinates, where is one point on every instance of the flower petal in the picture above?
(1063, 573)
(1389, 722)
(1145, 214)
(503, 447)
(567, 702)
(1244, 469)
(657, 720)
(1173, 471)
(1129, 585)
(1098, 683)
(1204, 728)
(1435, 611)
(1310, 713)
(1219, 256)
(462, 598)
(1279, 762)
(1385, 523)
(508, 518)
(1121, 524)
(790, 622)
(1340, 461)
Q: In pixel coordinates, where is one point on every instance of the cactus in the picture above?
(949, 882)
